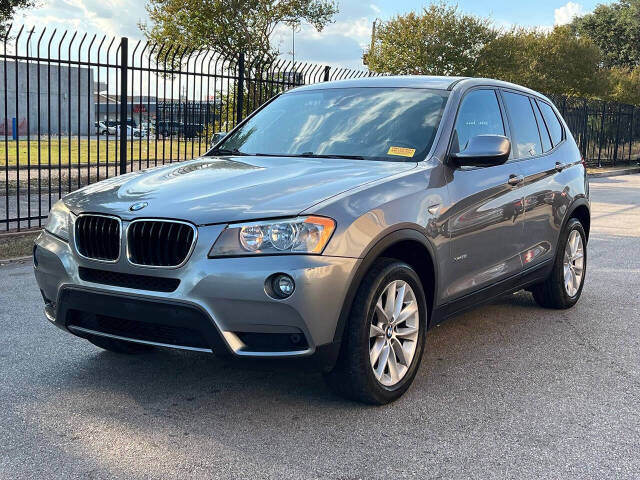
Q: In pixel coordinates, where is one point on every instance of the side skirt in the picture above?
(508, 285)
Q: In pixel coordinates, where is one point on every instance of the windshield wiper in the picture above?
(227, 151)
(317, 155)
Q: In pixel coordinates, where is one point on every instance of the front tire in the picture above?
(119, 346)
(564, 286)
(384, 338)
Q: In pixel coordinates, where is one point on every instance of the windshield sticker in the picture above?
(401, 151)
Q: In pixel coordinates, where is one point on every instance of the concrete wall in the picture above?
(58, 111)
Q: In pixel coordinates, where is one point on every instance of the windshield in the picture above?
(368, 123)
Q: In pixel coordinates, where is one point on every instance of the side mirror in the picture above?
(483, 151)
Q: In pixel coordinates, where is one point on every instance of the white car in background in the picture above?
(105, 128)
(134, 132)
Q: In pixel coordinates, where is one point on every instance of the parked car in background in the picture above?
(133, 132)
(192, 130)
(168, 128)
(337, 233)
(105, 128)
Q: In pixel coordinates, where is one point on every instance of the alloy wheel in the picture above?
(393, 333)
(573, 263)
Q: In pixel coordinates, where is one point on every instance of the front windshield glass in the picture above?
(368, 123)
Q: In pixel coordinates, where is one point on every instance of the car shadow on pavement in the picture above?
(279, 417)
(167, 378)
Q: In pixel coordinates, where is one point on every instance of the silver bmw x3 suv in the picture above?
(340, 222)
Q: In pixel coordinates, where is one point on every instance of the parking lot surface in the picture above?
(508, 390)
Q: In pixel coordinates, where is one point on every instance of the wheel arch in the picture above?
(581, 211)
(408, 245)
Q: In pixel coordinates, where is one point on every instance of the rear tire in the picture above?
(563, 288)
(378, 331)
(119, 346)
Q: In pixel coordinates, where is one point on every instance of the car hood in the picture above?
(229, 189)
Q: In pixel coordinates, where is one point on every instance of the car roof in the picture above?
(407, 81)
(416, 81)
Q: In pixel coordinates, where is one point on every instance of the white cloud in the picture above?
(567, 13)
(118, 18)
(340, 44)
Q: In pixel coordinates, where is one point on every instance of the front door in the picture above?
(484, 221)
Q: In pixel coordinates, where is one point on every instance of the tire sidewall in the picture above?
(572, 225)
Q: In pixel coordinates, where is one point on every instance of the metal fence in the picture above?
(607, 133)
(76, 109)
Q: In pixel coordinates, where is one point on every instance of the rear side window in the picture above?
(553, 124)
(544, 133)
(479, 114)
(524, 128)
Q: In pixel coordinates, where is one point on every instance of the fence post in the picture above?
(326, 73)
(631, 133)
(615, 148)
(240, 97)
(585, 140)
(601, 140)
(124, 67)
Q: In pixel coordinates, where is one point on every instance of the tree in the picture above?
(8, 9)
(439, 41)
(551, 62)
(229, 27)
(443, 41)
(624, 85)
(615, 28)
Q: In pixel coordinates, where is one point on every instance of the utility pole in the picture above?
(373, 35)
(365, 56)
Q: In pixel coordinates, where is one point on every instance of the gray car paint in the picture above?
(477, 227)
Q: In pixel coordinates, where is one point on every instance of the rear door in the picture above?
(485, 217)
(534, 121)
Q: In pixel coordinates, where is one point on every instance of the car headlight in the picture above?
(295, 235)
(59, 221)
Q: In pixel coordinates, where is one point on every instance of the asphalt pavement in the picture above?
(508, 390)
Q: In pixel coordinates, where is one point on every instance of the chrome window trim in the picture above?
(186, 258)
(75, 245)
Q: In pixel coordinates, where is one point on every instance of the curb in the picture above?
(11, 261)
(615, 173)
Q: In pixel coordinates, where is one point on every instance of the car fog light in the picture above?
(281, 285)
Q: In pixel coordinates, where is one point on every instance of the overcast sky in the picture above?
(341, 43)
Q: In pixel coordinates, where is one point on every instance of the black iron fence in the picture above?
(607, 133)
(76, 109)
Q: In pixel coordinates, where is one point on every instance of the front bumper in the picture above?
(227, 294)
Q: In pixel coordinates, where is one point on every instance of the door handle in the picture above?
(561, 166)
(515, 179)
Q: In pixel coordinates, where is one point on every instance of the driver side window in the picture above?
(479, 114)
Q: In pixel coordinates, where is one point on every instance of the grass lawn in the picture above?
(17, 245)
(85, 150)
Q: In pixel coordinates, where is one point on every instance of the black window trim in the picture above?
(536, 108)
(503, 114)
(553, 110)
(538, 99)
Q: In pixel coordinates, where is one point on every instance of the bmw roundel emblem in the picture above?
(138, 206)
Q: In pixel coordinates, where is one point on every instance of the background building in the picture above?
(61, 99)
